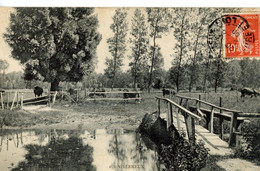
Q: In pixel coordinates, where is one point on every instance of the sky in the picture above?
(105, 20)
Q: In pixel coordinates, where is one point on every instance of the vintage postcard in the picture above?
(129, 88)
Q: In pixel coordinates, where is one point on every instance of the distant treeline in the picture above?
(235, 74)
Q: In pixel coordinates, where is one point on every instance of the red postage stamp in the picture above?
(242, 36)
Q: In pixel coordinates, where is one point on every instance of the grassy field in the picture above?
(119, 113)
(230, 100)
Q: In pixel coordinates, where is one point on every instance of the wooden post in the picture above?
(169, 115)
(77, 96)
(238, 136)
(49, 99)
(22, 101)
(190, 126)
(62, 95)
(233, 128)
(2, 101)
(15, 94)
(178, 119)
(211, 120)
(159, 112)
(17, 102)
(199, 101)
(7, 103)
(54, 97)
(221, 131)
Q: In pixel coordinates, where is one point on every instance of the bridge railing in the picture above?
(189, 116)
(213, 111)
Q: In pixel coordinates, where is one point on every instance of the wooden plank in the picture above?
(34, 102)
(200, 113)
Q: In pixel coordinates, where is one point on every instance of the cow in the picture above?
(127, 95)
(38, 91)
(72, 91)
(98, 92)
(168, 92)
(249, 91)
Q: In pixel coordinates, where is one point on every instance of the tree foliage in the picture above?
(181, 27)
(3, 67)
(117, 43)
(54, 44)
(140, 42)
(157, 19)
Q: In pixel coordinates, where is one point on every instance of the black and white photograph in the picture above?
(129, 88)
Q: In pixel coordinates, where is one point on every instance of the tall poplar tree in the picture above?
(181, 26)
(157, 19)
(139, 44)
(117, 44)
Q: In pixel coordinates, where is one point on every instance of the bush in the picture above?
(181, 155)
(251, 134)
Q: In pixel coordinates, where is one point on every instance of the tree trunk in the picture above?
(151, 71)
(181, 53)
(55, 85)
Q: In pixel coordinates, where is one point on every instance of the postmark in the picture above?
(234, 36)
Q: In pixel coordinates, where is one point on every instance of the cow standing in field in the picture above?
(127, 95)
(249, 91)
(98, 92)
(38, 91)
(168, 92)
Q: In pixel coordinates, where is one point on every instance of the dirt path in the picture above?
(237, 165)
(67, 118)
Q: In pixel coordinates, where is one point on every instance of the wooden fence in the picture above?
(101, 96)
(19, 101)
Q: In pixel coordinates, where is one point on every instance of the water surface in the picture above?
(76, 150)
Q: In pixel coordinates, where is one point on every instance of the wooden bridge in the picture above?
(197, 122)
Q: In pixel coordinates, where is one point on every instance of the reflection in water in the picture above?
(75, 150)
